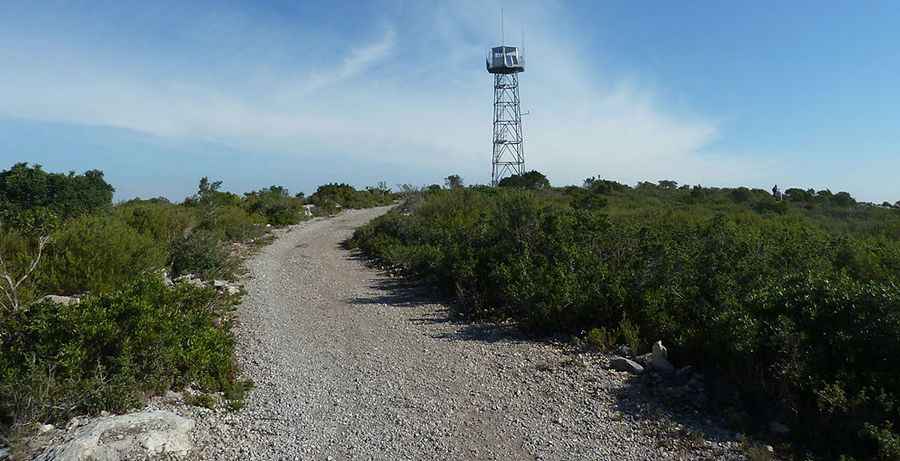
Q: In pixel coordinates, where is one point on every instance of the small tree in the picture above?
(10, 283)
(668, 184)
(454, 181)
(529, 180)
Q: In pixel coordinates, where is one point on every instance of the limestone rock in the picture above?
(659, 360)
(190, 279)
(660, 351)
(64, 300)
(623, 364)
(145, 435)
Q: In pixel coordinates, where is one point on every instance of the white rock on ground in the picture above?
(64, 300)
(144, 435)
(659, 359)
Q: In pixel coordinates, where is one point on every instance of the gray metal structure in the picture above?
(508, 157)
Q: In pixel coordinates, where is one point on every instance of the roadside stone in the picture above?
(64, 300)
(660, 351)
(659, 359)
(190, 279)
(623, 364)
(144, 435)
(46, 428)
(172, 397)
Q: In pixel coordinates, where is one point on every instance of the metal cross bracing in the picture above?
(509, 140)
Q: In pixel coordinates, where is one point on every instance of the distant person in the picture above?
(776, 193)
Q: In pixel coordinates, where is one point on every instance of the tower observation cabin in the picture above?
(505, 60)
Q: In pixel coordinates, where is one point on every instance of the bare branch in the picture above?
(42, 242)
(11, 290)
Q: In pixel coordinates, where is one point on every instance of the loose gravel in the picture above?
(349, 364)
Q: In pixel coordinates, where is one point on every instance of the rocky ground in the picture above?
(351, 364)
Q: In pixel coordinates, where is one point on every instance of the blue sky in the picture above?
(157, 94)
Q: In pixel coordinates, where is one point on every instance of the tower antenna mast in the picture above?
(502, 36)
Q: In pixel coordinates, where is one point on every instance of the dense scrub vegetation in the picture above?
(332, 197)
(792, 305)
(109, 351)
(130, 334)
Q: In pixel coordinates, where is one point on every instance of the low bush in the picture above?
(160, 220)
(232, 223)
(111, 350)
(275, 205)
(98, 253)
(203, 253)
(332, 197)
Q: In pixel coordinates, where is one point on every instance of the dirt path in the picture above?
(347, 366)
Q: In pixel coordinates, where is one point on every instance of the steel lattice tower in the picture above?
(508, 157)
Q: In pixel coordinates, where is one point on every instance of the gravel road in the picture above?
(350, 365)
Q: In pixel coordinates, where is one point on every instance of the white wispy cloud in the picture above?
(352, 65)
(428, 106)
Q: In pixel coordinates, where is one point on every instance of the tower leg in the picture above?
(508, 157)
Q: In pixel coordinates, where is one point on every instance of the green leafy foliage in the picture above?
(529, 180)
(98, 253)
(223, 213)
(158, 219)
(204, 254)
(276, 205)
(797, 308)
(29, 194)
(334, 196)
(454, 181)
(231, 223)
(130, 336)
(108, 351)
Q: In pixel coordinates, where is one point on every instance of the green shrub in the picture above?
(797, 310)
(25, 189)
(529, 180)
(276, 205)
(111, 350)
(332, 197)
(601, 339)
(161, 221)
(232, 223)
(97, 254)
(204, 254)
